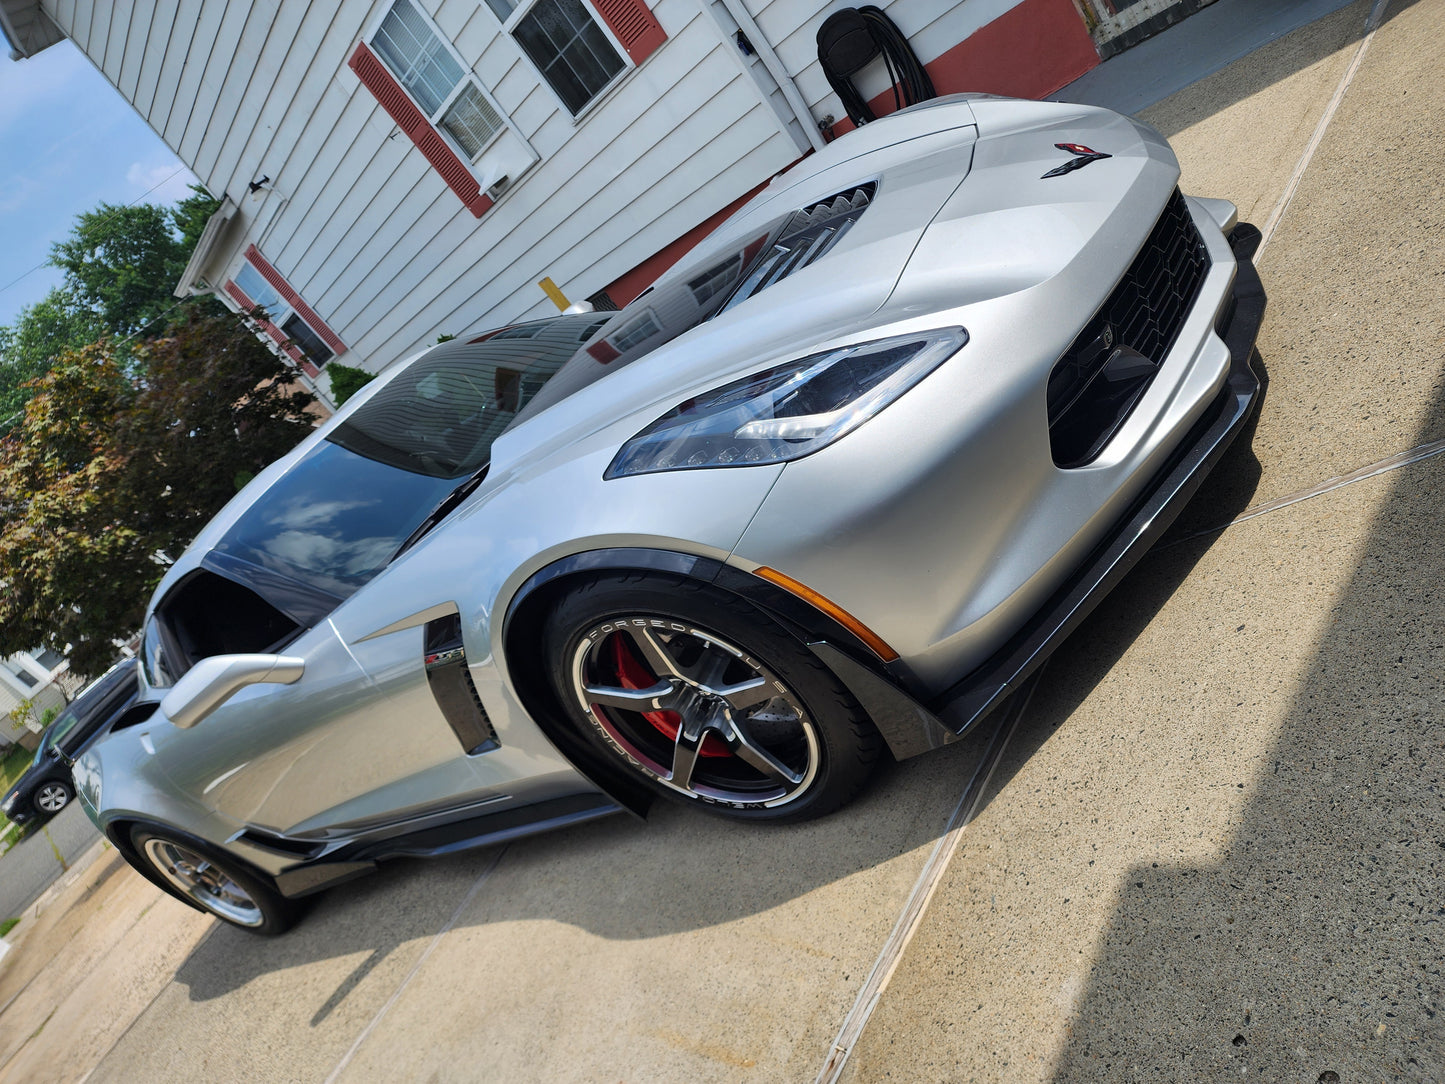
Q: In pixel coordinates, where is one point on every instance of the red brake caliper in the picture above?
(631, 674)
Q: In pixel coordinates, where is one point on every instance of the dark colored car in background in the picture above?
(46, 787)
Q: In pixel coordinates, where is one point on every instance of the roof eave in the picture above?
(27, 28)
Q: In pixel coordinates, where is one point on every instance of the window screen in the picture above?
(417, 57)
(570, 50)
(471, 120)
(425, 66)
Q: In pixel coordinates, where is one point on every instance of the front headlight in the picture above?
(788, 411)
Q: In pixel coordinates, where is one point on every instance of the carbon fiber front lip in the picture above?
(967, 701)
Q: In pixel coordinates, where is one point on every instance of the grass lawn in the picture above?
(13, 765)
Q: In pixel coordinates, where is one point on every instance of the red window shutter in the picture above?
(306, 312)
(246, 304)
(634, 24)
(377, 78)
(239, 296)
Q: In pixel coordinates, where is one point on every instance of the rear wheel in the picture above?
(707, 699)
(208, 881)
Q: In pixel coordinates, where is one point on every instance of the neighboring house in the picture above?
(395, 169)
(43, 678)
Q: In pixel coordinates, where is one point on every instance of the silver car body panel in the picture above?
(941, 523)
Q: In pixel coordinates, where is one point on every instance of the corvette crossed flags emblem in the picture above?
(1084, 155)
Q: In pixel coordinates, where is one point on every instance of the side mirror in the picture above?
(211, 682)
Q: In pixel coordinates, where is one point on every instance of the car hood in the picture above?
(1019, 221)
(916, 161)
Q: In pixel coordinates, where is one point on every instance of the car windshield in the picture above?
(339, 515)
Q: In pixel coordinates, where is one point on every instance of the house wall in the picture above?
(356, 218)
(367, 231)
(45, 694)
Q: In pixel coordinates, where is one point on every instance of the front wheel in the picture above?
(52, 797)
(707, 699)
(208, 881)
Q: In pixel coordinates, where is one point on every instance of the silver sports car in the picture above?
(826, 492)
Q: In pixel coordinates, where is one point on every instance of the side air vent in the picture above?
(451, 683)
(134, 716)
(804, 238)
(269, 841)
(1101, 377)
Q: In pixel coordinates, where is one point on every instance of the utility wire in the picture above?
(102, 222)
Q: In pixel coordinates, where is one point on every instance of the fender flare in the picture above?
(882, 689)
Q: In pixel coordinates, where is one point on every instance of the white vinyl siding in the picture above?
(359, 222)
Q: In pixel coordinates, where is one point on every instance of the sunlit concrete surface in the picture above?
(1217, 848)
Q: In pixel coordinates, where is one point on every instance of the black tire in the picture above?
(204, 878)
(51, 797)
(750, 725)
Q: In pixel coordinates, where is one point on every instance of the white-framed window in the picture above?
(282, 315)
(48, 660)
(428, 69)
(569, 46)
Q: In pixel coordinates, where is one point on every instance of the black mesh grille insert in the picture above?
(451, 683)
(1100, 378)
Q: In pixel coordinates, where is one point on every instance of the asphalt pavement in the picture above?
(30, 867)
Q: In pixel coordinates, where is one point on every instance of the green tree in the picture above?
(121, 265)
(42, 332)
(122, 262)
(111, 472)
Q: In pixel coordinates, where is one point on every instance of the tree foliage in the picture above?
(346, 381)
(122, 262)
(112, 469)
(41, 333)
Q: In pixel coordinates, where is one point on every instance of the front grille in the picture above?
(1101, 376)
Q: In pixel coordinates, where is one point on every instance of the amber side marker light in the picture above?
(832, 609)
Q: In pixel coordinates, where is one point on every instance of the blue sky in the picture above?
(68, 140)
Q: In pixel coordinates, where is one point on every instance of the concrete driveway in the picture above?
(1213, 843)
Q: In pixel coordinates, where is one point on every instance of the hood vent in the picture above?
(805, 238)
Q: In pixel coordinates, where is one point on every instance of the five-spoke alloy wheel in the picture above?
(707, 699)
(196, 875)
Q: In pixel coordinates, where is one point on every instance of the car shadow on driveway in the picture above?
(1315, 943)
(618, 879)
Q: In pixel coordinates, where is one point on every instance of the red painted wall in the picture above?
(1029, 52)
